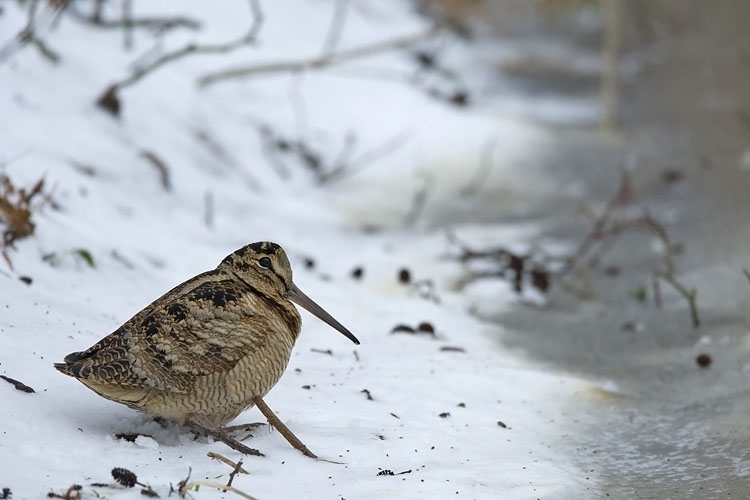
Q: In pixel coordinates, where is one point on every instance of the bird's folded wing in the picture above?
(176, 340)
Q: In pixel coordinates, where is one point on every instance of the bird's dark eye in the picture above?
(264, 262)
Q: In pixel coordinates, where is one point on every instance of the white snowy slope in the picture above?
(143, 239)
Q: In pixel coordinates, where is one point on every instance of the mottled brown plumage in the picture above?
(203, 351)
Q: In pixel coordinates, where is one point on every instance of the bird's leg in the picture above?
(221, 435)
(283, 429)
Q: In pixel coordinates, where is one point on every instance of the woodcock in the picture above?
(203, 351)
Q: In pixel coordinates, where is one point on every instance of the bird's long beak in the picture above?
(296, 296)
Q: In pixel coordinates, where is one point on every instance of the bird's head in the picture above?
(264, 266)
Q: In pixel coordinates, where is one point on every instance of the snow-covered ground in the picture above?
(501, 415)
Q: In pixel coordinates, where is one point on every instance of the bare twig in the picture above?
(221, 458)
(208, 214)
(109, 95)
(690, 295)
(483, 170)
(276, 146)
(319, 62)
(517, 265)
(340, 9)
(419, 200)
(623, 195)
(612, 10)
(220, 153)
(28, 35)
(127, 23)
(283, 429)
(96, 13)
(221, 435)
(17, 384)
(649, 224)
(237, 469)
(156, 24)
(605, 231)
(160, 167)
(656, 287)
(184, 488)
(343, 160)
(342, 169)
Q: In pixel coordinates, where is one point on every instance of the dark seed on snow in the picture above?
(426, 327)
(404, 276)
(703, 360)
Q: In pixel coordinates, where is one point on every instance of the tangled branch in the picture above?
(28, 35)
(109, 99)
(539, 269)
(155, 24)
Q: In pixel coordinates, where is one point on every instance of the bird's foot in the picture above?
(245, 431)
(243, 427)
(224, 437)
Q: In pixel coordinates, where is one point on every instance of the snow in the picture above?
(145, 239)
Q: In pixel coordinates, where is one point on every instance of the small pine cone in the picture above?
(124, 477)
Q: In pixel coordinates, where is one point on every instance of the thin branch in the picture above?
(161, 168)
(606, 230)
(127, 23)
(192, 48)
(656, 287)
(28, 36)
(221, 458)
(483, 170)
(209, 209)
(157, 24)
(366, 158)
(221, 435)
(237, 469)
(613, 19)
(96, 14)
(649, 224)
(224, 156)
(110, 93)
(343, 159)
(325, 170)
(337, 26)
(690, 295)
(623, 195)
(319, 62)
(186, 487)
(419, 200)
